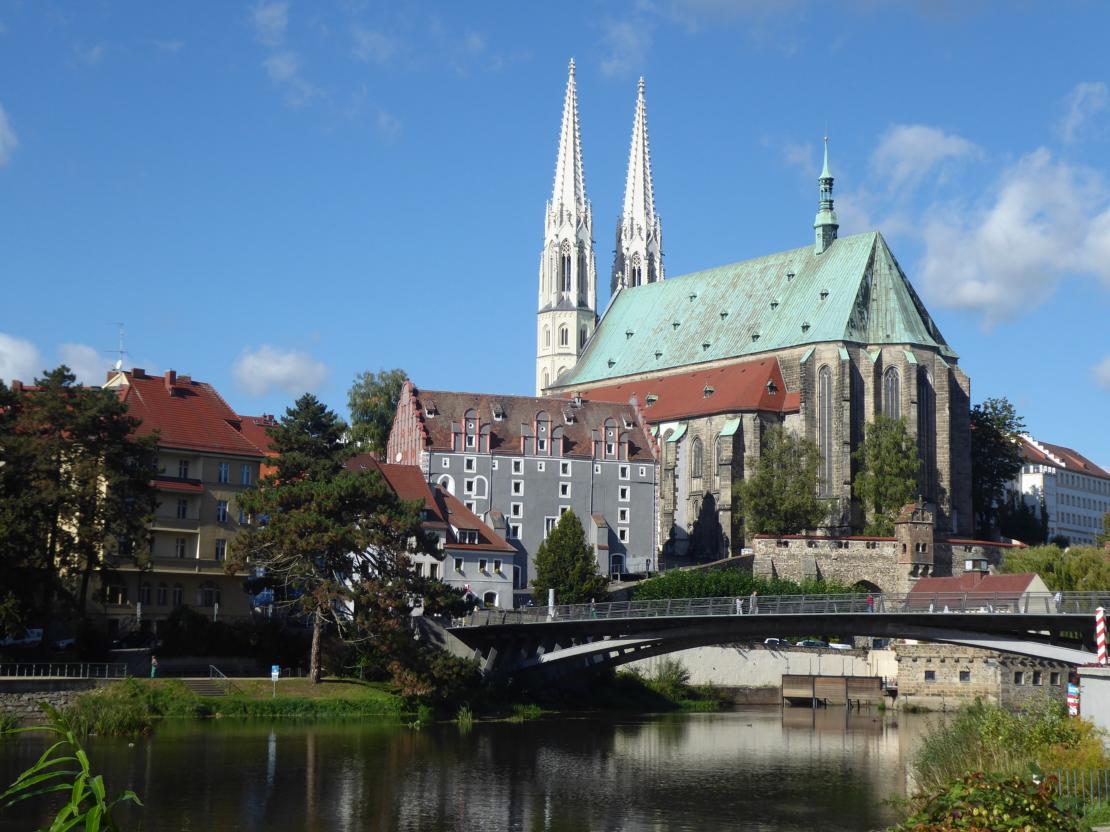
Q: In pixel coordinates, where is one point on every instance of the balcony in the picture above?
(201, 566)
(177, 486)
(176, 524)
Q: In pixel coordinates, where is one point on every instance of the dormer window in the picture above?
(772, 389)
(707, 391)
(468, 537)
(431, 409)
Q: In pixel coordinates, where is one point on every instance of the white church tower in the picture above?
(568, 271)
(638, 257)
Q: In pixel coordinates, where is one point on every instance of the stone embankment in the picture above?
(23, 697)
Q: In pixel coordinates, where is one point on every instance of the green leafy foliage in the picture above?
(780, 494)
(887, 478)
(992, 803)
(1018, 520)
(64, 769)
(565, 562)
(372, 400)
(1079, 569)
(995, 458)
(722, 583)
(75, 493)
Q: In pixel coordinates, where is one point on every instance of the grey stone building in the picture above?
(520, 462)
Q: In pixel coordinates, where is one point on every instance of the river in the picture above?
(751, 769)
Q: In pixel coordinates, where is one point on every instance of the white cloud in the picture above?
(19, 359)
(270, 20)
(800, 155)
(282, 66)
(372, 46)
(626, 43)
(388, 124)
(86, 363)
(907, 152)
(1083, 102)
(1044, 219)
(1102, 373)
(8, 139)
(258, 371)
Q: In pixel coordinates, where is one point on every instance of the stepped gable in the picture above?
(750, 386)
(1059, 456)
(853, 292)
(438, 409)
(188, 415)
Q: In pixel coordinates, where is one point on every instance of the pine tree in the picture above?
(327, 535)
(780, 494)
(372, 400)
(887, 478)
(566, 563)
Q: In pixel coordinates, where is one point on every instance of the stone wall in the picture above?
(939, 676)
(848, 560)
(25, 703)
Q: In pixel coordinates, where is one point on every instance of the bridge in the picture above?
(553, 642)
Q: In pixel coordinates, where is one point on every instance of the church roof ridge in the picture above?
(854, 291)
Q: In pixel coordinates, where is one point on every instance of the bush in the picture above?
(131, 707)
(721, 583)
(670, 678)
(992, 803)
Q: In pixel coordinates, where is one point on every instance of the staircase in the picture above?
(206, 687)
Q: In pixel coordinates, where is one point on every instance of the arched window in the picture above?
(547, 336)
(582, 299)
(636, 272)
(564, 336)
(546, 380)
(926, 430)
(566, 266)
(892, 393)
(824, 431)
(447, 482)
(696, 458)
(489, 599)
(581, 337)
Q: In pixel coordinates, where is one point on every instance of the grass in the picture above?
(1096, 814)
(8, 722)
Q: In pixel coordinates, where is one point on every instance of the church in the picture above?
(819, 339)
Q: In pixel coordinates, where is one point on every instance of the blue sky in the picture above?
(274, 196)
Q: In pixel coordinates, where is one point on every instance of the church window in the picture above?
(718, 458)
(545, 378)
(824, 430)
(696, 460)
(564, 336)
(565, 267)
(636, 273)
(892, 393)
(581, 278)
(582, 337)
(547, 336)
(926, 430)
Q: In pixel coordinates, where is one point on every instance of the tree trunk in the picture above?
(315, 672)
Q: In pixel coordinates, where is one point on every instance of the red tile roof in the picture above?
(1058, 456)
(408, 483)
(735, 388)
(254, 428)
(188, 415)
(976, 583)
(517, 412)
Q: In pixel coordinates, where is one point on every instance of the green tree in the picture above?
(1104, 538)
(780, 494)
(887, 477)
(75, 489)
(1020, 521)
(996, 431)
(565, 562)
(372, 400)
(332, 540)
(1079, 569)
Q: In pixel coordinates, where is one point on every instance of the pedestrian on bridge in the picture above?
(870, 603)
(753, 603)
(739, 607)
(1058, 598)
(153, 666)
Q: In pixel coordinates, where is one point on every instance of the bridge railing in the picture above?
(62, 670)
(916, 603)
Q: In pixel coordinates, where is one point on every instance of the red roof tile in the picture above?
(254, 428)
(735, 388)
(976, 583)
(188, 415)
(1058, 456)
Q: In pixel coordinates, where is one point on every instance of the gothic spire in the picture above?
(570, 184)
(638, 257)
(825, 224)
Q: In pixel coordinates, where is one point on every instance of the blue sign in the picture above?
(275, 671)
(1073, 690)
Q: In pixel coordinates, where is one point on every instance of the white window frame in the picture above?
(518, 488)
(471, 441)
(433, 570)
(597, 467)
(497, 566)
(223, 473)
(564, 469)
(564, 489)
(516, 510)
(549, 524)
(468, 485)
(518, 466)
(459, 564)
(514, 531)
(446, 462)
(470, 464)
(493, 465)
(622, 514)
(624, 472)
(541, 465)
(470, 505)
(623, 493)
(483, 565)
(541, 445)
(622, 534)
(563, 510)
(220, 549)
(643, 470)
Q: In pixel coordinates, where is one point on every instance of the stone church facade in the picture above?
(819, 339)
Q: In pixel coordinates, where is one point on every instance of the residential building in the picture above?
(473, 557)
(204, 463)
(1075, 491)
(523, 461)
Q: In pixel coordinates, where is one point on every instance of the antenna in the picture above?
(120, 352)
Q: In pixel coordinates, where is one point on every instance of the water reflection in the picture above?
(752, 770)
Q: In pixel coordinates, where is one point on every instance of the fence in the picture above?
(1091, 786)
(63, 670)
(939, 603)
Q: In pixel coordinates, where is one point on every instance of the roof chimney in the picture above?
(138, 372)
(171, 379)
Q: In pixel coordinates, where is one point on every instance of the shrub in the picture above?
(991, 803)
(670, 678)
(721, 583)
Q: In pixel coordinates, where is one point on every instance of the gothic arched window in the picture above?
(637, 271)
(564, 336)
(718, 458)
(824, 431)
(582, 299)
(566, 266)
(892, 393)
(696, 458)
(547, 336)
(581, 337)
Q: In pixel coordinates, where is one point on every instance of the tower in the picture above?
(639, 252)
(568, 271)
(825, 224)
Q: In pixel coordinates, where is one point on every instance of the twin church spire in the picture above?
(568, 267)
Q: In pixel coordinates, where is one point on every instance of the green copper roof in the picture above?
(854, 292)
(730, 427)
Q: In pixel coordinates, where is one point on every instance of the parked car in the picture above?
(30, 638)
(776, 642)
(839, 646)
(814, 643)
(64, 643)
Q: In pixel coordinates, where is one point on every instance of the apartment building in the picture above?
(1076, 491)
(204, 463)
